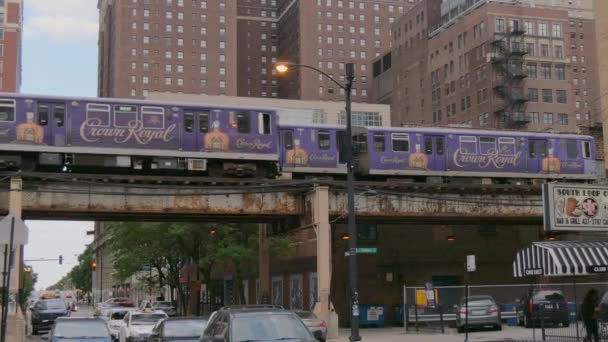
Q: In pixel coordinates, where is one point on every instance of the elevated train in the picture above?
(143, 137)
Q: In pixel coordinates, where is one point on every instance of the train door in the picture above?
(287, 145)
(537, 151)
(434, 147)
(340, 148)
(52, 117)
(195, 126)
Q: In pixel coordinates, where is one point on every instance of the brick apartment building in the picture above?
(496, 64)
(226, 47)
(11, 21)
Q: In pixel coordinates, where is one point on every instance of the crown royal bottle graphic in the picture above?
(297, 156)
(216, 140)
(30, 131)
(418, 159)
(551, 164)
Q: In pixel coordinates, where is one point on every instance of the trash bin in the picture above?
(572, 311)
(372, 315)
(509, 314)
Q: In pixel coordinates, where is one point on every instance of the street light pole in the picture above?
(352, 225)
(348, 155)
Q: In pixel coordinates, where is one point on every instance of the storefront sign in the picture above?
(575, 207)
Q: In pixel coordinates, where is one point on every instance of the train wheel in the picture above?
(28, 164)
(215, 170)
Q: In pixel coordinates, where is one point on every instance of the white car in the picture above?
(115, 320)
(138, 325)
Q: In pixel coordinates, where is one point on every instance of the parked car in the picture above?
(255, 323)
(167, 307)
(317, 326)
(543, 307)
(603, 307)
(138, 325)
(114, 319)
(79, 329)
(45, 312)
(482, 312)
(114, 302)
(183, 329)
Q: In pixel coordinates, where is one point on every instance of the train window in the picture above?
(401, 142)
(340, 141)
(43, 114)
(468, 145)
(506, 146)
(288, 137)
(189, 122)
(243, 122)
(360, 143)
(7, 110)
(428, 145)
(264, 123)
(440, 148)
(571, 149)
(379, 142)
(537, 149)
(532, 149)
(153, 117)
(586, 148)
(324, 141)
(203, 121)
(125, 116)
(98, 115)
(59, 115)
(487, 145)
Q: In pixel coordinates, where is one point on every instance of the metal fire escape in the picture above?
(509, 76)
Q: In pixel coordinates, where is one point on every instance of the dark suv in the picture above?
(44, 313)
(255, 323)
(544, 307)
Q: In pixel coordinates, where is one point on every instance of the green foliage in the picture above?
(29, 282)
(81, 275)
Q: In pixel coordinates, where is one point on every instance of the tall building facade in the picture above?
(11, 24)
(496, 64)
(225, 47)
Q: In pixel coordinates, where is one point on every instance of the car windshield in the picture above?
(118, 315)
(146, 319)
(163, 305)
(185, 328)
(118, 300)
(80, 329)
(549, 295)
(52, 305)
(269, 328)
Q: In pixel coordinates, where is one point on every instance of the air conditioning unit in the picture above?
(197, 164)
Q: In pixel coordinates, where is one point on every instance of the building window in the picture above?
(545, 71)
(548, 95)
(548, 118)
(557, 30)
(500, 25)
(562, 119)
(531, 70)
(533, 94)
(544, 50)
(533, 118)
(167, 81)
(561, 96)
(222, 84)
(542, 29)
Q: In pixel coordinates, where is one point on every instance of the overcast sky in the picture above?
(59, 58)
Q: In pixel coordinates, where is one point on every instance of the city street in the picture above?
(84, 311)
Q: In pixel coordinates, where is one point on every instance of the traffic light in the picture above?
(61, 260)
(94, 265)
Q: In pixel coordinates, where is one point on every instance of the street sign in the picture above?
(363, 250)
(533, 271)
(569, 207)
(21, 232)
(471, 264)
(367, 250)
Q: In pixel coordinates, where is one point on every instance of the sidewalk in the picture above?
(397, 334)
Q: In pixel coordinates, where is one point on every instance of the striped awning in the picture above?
(561, 258)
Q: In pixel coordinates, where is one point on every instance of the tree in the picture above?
(81, 274)
(29, 282)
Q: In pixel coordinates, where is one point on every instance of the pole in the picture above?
(101, 278)
(352, 226)
(8, 282)
(404, 308)
(4, 272)
(466, 312)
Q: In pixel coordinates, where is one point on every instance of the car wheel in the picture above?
(527, 322)
(460, 329)
(34, 331)
(498, 327)
(566, 323)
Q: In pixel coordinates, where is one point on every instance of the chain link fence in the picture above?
(540, 312)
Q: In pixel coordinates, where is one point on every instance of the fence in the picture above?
(538, 312)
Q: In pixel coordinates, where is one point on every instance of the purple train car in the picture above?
(474, 153)
(92, 133)
(312, 149)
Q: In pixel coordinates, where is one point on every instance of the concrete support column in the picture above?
(323, 307)
(264, 264)
(15, 207)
